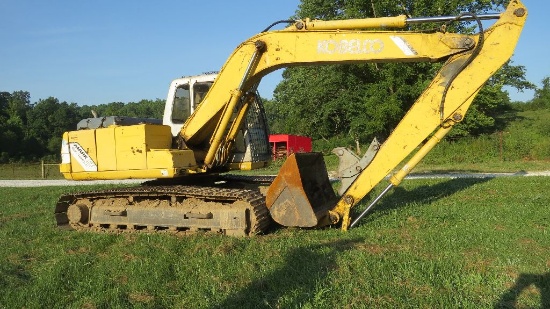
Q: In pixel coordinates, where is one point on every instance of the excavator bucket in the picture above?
(301, 194)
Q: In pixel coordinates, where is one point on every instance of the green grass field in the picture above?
(442, 243)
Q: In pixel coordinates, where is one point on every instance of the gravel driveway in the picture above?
(62, 182)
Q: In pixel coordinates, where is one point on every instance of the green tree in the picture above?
(144, 109)
(11, 138)
(4, 99)
(541, 99)
(13, 109)
(141, 109)
(361, 101)
(18, 105)
(48, 119)
(112, 109)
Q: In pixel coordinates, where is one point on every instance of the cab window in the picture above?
(199, 92)
(181, 108)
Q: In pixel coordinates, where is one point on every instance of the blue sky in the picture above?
(95, 52)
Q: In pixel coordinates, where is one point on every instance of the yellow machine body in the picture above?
(124, 152)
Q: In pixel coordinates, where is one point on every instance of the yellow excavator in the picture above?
(214, 123)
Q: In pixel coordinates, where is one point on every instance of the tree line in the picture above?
(33, 131)
(29, 132)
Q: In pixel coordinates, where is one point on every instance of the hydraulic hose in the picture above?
(474, 54)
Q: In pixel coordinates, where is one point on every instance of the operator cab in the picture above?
(251, 146)
(184, 96)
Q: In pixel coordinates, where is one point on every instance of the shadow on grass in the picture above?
(13, 275)
(420, 195)
(524, 282)
(296, 283)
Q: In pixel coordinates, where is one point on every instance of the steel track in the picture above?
(172, 208)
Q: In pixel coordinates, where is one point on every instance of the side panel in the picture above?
(106, 153)
(157, 137)
(130, 148)
(82, 149)
(163, 158)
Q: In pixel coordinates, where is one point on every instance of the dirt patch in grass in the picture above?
(88, 306)
(127, 257)
(475, 262)
(532, 245)
(18, 216)
(122, 279)
(226, 248)
(140, 297)
(78, 251)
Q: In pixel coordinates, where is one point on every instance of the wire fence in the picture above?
(36, 170)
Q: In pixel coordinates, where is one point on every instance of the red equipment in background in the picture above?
(282, 145)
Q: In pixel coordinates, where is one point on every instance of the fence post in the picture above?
(43, 169)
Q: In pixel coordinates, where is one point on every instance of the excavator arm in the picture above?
(469, 61)
(443, 104)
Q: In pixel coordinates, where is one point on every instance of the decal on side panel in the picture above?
(82, 157)
(403, 45)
